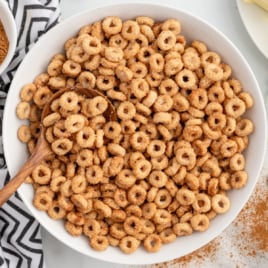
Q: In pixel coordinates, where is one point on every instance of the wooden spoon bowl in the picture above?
(42, 148)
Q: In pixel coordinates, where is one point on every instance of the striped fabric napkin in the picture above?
(20, 238)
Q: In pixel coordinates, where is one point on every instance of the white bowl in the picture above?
(8, 21)
(193, 28)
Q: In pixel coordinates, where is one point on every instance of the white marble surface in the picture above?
(225, 16)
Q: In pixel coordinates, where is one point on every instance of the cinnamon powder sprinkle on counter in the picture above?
(4, 44)
(243, 244)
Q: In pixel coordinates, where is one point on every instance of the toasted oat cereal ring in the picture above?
(168, 87)
(139, 69)
(59, 130)
(145, 20)
(191, 60)
(69, 100)
(79, 184)
(131, 50)
(186, 79)
(162, 118)
(237, 162)
(120, 197)
(235, 107)
(80, 202)
(51, 119)
(216, 93)
(247, 98)
(152, 243)
(78, 54)
(115, 165)
(224, 181)
(74, 230)
(112, 25)
(172, 25)
(220, 203)
(94, 174)
(56, 182)
(213, 72)
(163, 198)
(114, 54)
(118, 215)
(198, 98)
(182, 229)
(210, 57)
(148, 32)
(66, 191)
(92, 63)
(132, 225)
(173, 66)
(238, 179)
(139, 141)
(74, 123)
(213, 134)
(199, 46)
(97, 105)
(167, 236)
(162, 216)
(159, 163)
(102, 208)
(163, 103)
(54, 68)
(125, 179)
(42, 201)
(24, 133)
(57, 82)
(130, 30)
(123, 73)
(166, 40)
(158, 178)
(244, 127)
(156, 148)
(142, 169)
(117, 230)
(148, 226)
(202, 203)
(87, 79)
(105, 82)
(23, 110)
(148, 210)
(180, 103)
(217, 121)
(191, 133)
(91, 45)
(128, 126)
(156, 62)
(84, 158)
(91, 227)
(118, 41)
(185, 156)
(112, 129)
(71, 68)
(116, 95)
(228, 148)
(41, 174)
(86, 137)
(126, 110)
(99, 242)
(55, 211)
(129, 244)
(200, 222)
(185, 196)
(136, 195)
(139, 88)
(27, 92)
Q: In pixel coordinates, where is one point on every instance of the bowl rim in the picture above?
(210, 26)
(8, 21)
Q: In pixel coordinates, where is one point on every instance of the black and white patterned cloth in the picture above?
(20, 238)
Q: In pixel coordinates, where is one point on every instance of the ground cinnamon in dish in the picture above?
(3, 43)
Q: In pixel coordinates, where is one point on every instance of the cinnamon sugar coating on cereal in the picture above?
(163, 169)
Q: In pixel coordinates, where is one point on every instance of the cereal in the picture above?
(163, 168)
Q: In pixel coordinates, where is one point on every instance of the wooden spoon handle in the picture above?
(15, 182)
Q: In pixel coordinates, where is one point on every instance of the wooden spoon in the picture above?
(42, 148)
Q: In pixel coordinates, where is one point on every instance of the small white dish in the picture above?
(255, 20)
(8, 21)
(194, 29)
